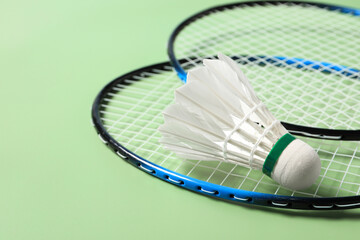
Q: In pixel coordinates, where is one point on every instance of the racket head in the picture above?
(127, 112)
(271, 41)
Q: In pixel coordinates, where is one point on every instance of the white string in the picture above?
(239, 23)
(140, 137)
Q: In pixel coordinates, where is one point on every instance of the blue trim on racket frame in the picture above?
(295, 62)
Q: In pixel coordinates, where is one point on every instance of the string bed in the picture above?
(280, 37)
(131, 112)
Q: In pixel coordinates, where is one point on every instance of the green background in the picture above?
(58, 181)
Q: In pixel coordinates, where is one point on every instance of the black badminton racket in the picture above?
(306, 54)
(127, 112)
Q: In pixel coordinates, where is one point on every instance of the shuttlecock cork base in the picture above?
(292, 163)
(218, 117)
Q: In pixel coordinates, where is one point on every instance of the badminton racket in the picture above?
(304, 54)
(127, 112)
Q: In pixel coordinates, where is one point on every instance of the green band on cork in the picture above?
(275, 153)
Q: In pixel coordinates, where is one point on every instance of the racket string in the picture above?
(288, 30)
(136, 130)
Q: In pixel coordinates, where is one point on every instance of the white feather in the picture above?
(216, 99)
(218, 117)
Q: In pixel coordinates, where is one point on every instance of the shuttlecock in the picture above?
(217, 116)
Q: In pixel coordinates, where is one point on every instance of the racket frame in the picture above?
(203, 187)
(300, 130)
